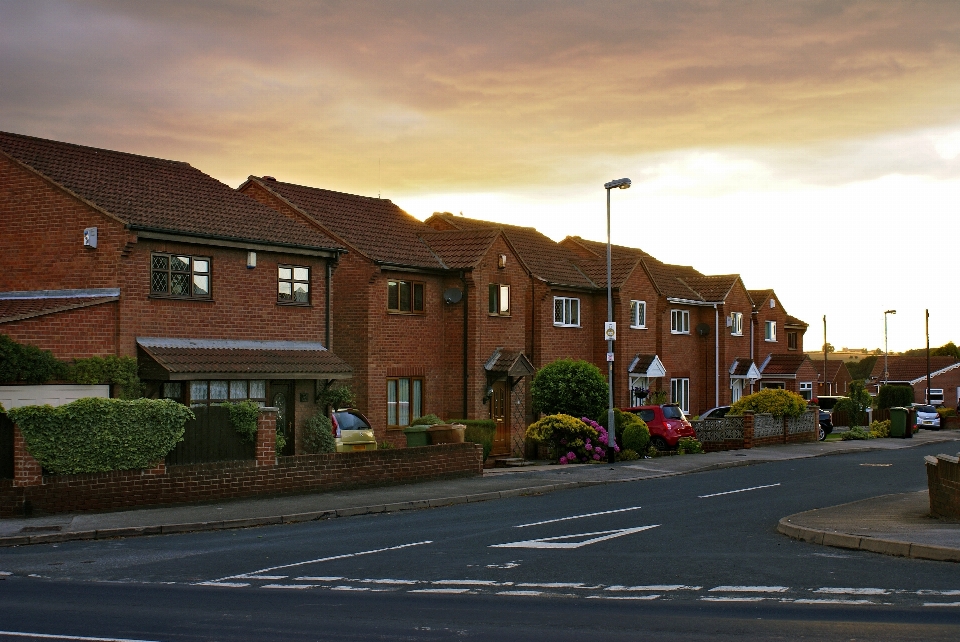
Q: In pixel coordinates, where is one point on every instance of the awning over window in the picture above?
(510, 363)
(647, 365)
(744, 369)
(185, 359)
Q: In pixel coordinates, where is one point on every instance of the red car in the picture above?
(667, 424)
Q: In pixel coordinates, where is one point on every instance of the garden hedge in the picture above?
(778, 403)
(97, 435)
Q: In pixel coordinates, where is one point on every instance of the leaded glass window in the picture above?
(179, 275)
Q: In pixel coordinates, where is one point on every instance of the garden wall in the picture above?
(30, 492)
(943, 483)
(750, 431)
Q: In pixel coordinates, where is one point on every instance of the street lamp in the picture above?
(886, 352)
(620, 183)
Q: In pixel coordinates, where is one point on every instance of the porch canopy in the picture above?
(744, 369)
(647, 365)
(162, 359)
(508, 363)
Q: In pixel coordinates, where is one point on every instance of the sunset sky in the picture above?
(812, 147)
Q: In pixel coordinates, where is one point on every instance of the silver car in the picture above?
(927, 416)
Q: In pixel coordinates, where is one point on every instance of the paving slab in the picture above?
(492, 485)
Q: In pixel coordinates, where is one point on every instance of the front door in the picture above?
(281, 398)
(500, 411)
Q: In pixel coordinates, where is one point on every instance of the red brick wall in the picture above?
(84, 332)
(230, 480)
(630, 341)
(733, 347)
(41, 236)
(943, 484)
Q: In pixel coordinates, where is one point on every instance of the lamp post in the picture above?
(620, 183)
(886, 352)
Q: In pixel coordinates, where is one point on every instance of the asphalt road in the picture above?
(689, 557)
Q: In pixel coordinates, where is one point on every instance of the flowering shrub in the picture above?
(689, 445)
(600, 444)
(575, 440)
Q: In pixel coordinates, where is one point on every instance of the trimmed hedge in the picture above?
(778, 403)
(243, 418)
(894, 396)
(99, 435)
(318, 435)
(569, 387)
(478, 431)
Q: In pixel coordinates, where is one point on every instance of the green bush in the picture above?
(335, 396)
(894, 396)
(880, 429)
(318, 435)
(689, 445)
(427, 420)
(22, 363)
(656, 398)
(281, 442)
(855, 404)
(569, 387)
(565, 433)
(479, 431)
(121, 371)
(778, 403)
(96, 435)
(856, 433)
(636, 435)
(243, 418)
(628, 454)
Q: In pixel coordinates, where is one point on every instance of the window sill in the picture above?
(736, 334)
(562, 325)
(167, 297)
(293, 304)
(406, 314)
(492, 316)
(770, 340)
(638, 327)
(679, 332)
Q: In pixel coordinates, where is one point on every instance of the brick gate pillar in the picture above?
(26, 470)
(267, 437)
(748, 429)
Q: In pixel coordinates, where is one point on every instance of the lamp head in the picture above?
(621, 183)
(889, 311)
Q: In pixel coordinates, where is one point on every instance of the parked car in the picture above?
(716, 413)
(827, 402)
(352, 430)
(826, 425)
(925, 416)
(666, 422)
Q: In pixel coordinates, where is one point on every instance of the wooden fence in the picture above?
(208, 438)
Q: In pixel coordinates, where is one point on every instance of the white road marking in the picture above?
(321, 578)
(734, 599)
(852, 591)
(506, 565)
(568, 585)
(654, 587)
(623, 597)
(5, 573)
(441, 590)
(836, 601)
(46, 636)
(253, 576)
(741, 490)
(941, 603)
(226, 584)
(470, 583)
(321, 559)
(391, 582)
(877, 465)
(552, 542)
(563, 519)
(526, 593)
(750, 589)
(351, 588)
(923, 592)
(288, 586)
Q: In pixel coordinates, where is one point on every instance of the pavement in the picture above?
(892, 524)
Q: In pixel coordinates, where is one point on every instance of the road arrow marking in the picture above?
(742, 490)
(563, 519)
(554, 542)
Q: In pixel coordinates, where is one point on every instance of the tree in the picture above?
(948, 350)
(855, 404)
(894, 396)
(828, 347)
(861, 370)
(569, 387)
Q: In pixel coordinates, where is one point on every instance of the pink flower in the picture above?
(596, 457)
(563, 460)
(571, 456)
(598, 449)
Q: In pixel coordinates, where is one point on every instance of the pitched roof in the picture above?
(459, 249)
(834, 367)
(546, 259)
(376, 227)
(159, 195)
(596, 270)
(742, 367)
(792, 320)
(509, 362)
(16, 306)
(712, 287)
(782, 364)
(759, 296)
(200, 358)
(909, 368)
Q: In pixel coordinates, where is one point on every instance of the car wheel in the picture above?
(821, 433)
(660, 443)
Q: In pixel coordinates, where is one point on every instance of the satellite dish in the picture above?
(703, 329)
(452, 295)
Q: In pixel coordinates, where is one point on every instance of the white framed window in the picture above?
(680, 321)
(770, 331)
(638, 314)
(935, 396)
(499, 299)
(680, 393)
(404, 401)
(566, 312)
(806, 390)
(736, 324)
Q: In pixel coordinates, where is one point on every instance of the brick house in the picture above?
(217, 296)
(788, 371)
(432, 322)
(837, 381)
(912, 371)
